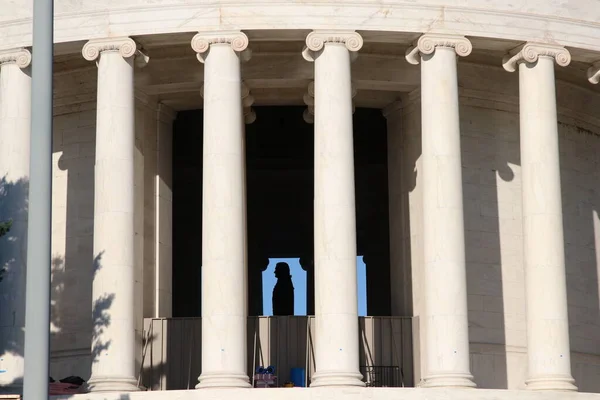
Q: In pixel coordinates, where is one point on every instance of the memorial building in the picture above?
(454, 149)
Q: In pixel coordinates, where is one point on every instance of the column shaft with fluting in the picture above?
(336, 304)
(445, 320)
(224, 303)
(543, 239)
(113, 336)
(15, 129)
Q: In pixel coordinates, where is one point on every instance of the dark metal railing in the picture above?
(382, 376)
(172, 350)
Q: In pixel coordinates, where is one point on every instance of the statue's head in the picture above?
(282, 270)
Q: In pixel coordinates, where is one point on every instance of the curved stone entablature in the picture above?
(573, 25)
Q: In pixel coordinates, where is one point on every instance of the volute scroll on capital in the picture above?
(531, 52)
(21, 57)
(316, 40)
(125, 46)
(428, 42)
(238, 41)
(593, 73)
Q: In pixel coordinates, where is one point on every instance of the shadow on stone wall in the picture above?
(485, 211)
(73, 222)
(152, 377)
(486, 276)
(581, 208)
(100, 313)
(13, 253)
(13, 249)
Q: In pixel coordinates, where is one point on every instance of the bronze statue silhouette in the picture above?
(283, 292)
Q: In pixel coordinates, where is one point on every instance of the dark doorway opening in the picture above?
(279, 160)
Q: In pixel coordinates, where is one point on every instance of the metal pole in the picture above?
(37, 313)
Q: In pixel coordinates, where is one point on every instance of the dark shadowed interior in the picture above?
(279, 159)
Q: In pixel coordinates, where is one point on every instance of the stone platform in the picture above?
(337, 394)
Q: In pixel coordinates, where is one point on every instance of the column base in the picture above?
(449, 380)
(337, 378)
(112, 384)
(223, 380)
(552, 382)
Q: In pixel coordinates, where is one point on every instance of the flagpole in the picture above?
(37, 314)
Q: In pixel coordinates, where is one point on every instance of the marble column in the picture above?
(445, 319)
(113, 343)
(224, 300)
(336, 300)
(15, 128)
(543, 242)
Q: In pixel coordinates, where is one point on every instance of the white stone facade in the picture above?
(492, 179)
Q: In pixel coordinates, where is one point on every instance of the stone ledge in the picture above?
(337, 394)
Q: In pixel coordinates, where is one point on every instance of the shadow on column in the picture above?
(100, 315)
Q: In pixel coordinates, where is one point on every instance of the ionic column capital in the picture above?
(530, 52)
(238, 41)
(427, 43)
(593, 73)
(21, 57)
(315, 41)
(125, 46)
